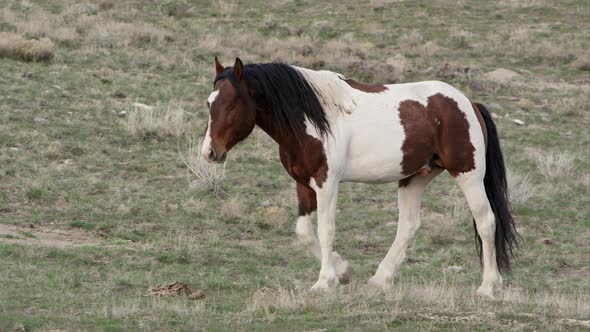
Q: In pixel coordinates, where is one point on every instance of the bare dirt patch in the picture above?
(46, 236)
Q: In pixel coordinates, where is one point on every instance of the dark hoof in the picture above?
(345, 278)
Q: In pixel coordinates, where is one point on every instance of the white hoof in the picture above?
(325, 284)
(379, 283)
(486, 292)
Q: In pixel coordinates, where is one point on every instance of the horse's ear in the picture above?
(218, 67)
(239, 69)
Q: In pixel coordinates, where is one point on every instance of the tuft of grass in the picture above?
(520, 187)
(34, 194)
(17, 47)
(200, 173)
(28, 234)
(161, 120)
(232, 210)
(86, 225)
(555, 165)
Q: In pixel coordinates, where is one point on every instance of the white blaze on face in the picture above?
(206, 147)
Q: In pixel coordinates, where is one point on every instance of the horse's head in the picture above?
(232, 112)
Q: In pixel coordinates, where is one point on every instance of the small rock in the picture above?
(502, 75)
(518, 122)
(266, 203)
(39, 119)
(19, 328)
(494, 116)
(546, 240)
(13, 148)
(122, 113)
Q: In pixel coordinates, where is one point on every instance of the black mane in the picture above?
(284, 91)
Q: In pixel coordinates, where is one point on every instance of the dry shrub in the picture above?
(162, 120)
(457, 206)
(15, 46)
(582, 62)
(573, 106)
(410, 39)
(116, 34)
(345, 54)
(232, 210)
(194, 206)
(469, 76)
(38, 24)
(555, 165)
(201, 174)
(273, 214)
(106, 4)
(64, 35)
(523, 42)
(520, 187)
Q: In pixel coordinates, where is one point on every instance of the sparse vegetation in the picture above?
(555, 165)
(15, 46)
(99, 99)
(202, 175)
(161, 120)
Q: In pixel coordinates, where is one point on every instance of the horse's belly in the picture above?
(375, 155)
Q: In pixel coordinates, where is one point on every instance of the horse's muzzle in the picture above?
(214, 158)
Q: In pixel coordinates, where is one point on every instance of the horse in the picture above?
(332, 129)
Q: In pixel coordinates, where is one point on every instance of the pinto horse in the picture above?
(332, 129)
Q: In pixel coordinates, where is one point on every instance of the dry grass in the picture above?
(15, 46)
(111, 34)
(555, 165)
(521, 188)
(232, 210)
(201, 174)
(430, 298)
(161, 120)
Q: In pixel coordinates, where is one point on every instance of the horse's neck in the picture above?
(264, 120)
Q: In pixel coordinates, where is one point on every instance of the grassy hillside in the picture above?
(97, 204)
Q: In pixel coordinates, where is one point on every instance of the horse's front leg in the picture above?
(327, 196)
(306, 234)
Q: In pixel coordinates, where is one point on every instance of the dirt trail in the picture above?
(45, 236)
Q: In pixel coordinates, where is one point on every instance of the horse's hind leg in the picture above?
(409, 202)
(306, 234)
(472, 185)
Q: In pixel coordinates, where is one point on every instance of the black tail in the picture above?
(497, 192)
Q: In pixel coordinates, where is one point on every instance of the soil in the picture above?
(49, 236)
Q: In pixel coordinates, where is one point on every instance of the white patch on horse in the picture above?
(212, 97)
(206, 146)
(330, 89)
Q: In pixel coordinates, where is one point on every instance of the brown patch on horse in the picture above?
(437, 134)
(307, 199)
(303, 156)
(304, 159)
(420, 129)
(368, 88)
